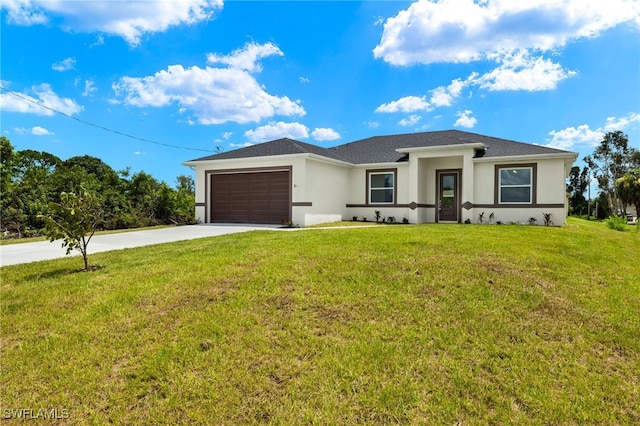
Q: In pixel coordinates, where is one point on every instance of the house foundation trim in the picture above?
(516, 206)
(411, 206)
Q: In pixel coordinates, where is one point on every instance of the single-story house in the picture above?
(431, 177)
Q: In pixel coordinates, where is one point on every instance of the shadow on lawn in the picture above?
(56, 273)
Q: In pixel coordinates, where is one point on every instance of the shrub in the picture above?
(619, 223)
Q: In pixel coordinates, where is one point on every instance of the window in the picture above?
(382, 187)
(515, 185)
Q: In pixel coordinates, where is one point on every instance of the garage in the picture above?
(251, 197)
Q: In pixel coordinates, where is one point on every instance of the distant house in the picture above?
(432, 177)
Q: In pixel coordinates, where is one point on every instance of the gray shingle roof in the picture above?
(383, 149)
(282, 146)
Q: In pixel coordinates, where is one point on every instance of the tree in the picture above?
(31, 180)
(629, 189)
(578, 182)
(610, 160)
(185, 184)
(143, 194)
(185, 202)
(7, 157)
(26, 188)
(73, 220)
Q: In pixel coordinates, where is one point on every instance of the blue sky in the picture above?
(187, 78)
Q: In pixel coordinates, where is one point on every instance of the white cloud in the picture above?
(241, 145)
(514, 34)
(127, 19)
(372, 124)
(465, 119)
(521, 71)
(64, 65)
(99, 41)
(22, 12)
(583, 135)
(325, 134)
(304, 80)
(571, 136)
(467, 30)
(213, 95)
(405, 104)
(410, 121)
(517, 71)
(227, 135)
(277, 130)
(444, 96)
(89, 88)
(40, 131)
(615, 123)
(44, 96)
(36, 130)
(438, 97)
(247, 57)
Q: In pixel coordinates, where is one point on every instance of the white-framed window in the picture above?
(382, 187)
(515, 185)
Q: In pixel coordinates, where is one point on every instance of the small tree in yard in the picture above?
(74, 220)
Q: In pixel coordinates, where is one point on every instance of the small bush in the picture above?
(619, 223)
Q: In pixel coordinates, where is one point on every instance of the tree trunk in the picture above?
(83, 250)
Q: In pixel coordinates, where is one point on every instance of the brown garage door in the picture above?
(262, 197)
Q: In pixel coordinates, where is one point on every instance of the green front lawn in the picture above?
(430, 324)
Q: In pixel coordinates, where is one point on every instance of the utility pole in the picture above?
(589, 203)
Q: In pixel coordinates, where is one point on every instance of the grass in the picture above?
(431, 324)
(345, 223)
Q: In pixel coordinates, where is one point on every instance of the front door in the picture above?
(448, 197)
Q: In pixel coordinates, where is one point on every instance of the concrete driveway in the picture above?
(14, 254)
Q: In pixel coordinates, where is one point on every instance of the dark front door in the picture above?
(448, 197)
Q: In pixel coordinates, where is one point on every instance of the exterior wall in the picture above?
(325, 187)
(357, 193)
(427, 163)
(550, 193)
(551, 182)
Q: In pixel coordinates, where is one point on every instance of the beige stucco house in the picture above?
(431, 177)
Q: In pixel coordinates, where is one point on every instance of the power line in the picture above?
(117, 132)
